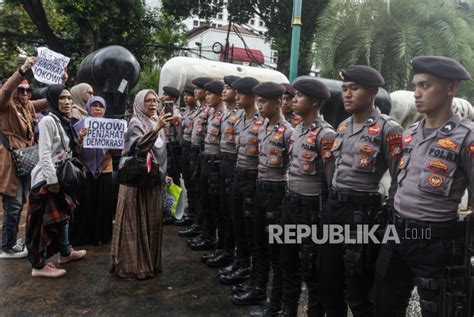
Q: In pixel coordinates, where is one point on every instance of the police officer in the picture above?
(197, 144)
(210, 162)
(436, 168)
(245, 176)
(224, 253)
(286, 106)
(187, 127)
(274, 141)
(367, 144)
(307, 188)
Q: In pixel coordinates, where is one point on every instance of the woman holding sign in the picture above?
(93, 220)
(137, 234)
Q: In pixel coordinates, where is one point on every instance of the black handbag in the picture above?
(135, 172)
(70, 171)
(25, 159)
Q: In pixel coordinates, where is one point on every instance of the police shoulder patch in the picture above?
(471, 148)
(435, 180)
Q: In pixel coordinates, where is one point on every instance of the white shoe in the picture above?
(12, 254)
(49, 270)
(73, 256)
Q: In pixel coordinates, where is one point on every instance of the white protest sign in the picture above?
(104, 133)
(49, 66)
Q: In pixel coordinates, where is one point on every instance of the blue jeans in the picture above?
(12, 207)
(63, 239)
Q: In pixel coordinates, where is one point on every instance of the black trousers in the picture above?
(419, 262)
(209, 192)
(299, 261)
(348, 270)
(187, 173)
(243, 191)
(173, 150)
(195, 174)
(225, 231)
(268, 208)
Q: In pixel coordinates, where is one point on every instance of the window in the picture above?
(220, 16)
(261, 23)
(195, 23)
(274, 57)
(214, 25)
(252, 22)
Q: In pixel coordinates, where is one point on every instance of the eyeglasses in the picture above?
(23, 90)
(150, 100)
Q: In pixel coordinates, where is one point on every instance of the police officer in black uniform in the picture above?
(197, 144)
(367, 145)
(224, 253)
(436, 168)
(243, 187)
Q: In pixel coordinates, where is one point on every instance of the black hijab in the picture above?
(52, 96)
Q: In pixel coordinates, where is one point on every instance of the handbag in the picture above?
(70, 171)
(139, 170)
(25, 159)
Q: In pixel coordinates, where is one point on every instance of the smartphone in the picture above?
(169, 107)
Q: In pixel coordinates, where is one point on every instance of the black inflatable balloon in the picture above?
(112, 71)
(333, 110)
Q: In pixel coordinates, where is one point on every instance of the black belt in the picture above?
(229, 156)
(211, 157)
(373, 199)
(302, 200)
(187, 144)
(246, 173)
(271, 186)
(446, 229)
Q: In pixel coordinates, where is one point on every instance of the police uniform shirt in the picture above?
(435, 170)
(199, 126)
(362, 156)
(273, 159)
(310, 164)
(293, 119)
(227, 142)
(172, 131)
(213, 134)
(187, 123)
(246, 134)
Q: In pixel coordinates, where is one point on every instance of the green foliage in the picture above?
(149, 79)
(387, 34)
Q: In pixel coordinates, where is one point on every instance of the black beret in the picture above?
(363, 75)
(171, 91)
(440, 66)
(215, 86)
(230, 79)
(312, 88)
(201, 81)
(245, 85)
(269, 90)
(189, 88)
(289, 90)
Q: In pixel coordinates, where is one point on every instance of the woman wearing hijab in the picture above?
(137, 234)
(49, 207)
(93, 220)
(81, 94)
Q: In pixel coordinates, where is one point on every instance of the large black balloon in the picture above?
(107, 70)
(333, 110)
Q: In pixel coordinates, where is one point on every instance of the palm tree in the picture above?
(387, 34)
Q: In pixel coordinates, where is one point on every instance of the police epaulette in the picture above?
(414, 126)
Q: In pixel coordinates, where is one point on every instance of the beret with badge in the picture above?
(312, 88)
(201, 81)
(289, 90)
(171, 91)
(245, 85)
(230, 79)
(269, 90)
(440, 66)
(363, 75)
(215, 86)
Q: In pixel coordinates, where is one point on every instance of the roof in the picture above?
(203, 28)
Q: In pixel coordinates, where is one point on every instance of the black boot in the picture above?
(190, 232)
(229, 269)
(206, 243)
(244, 286)
(168, 220)
(288, 310)
(222, 259)
(254, 296)
(183, 222)
(210, 255)
(235, 277)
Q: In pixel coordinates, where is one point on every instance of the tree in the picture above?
(387, 34)
(276, 15)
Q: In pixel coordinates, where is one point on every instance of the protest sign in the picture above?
(104, 133)
(49, 67)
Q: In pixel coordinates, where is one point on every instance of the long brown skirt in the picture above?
(138, 231)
